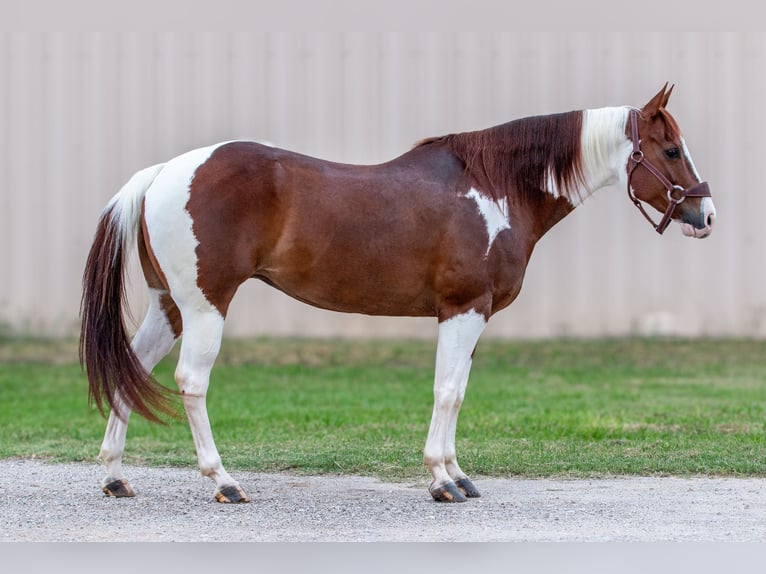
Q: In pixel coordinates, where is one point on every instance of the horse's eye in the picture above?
(672, 153)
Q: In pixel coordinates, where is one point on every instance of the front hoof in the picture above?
(466, 487)
(118, 489)
(447, 492)
(231, 494)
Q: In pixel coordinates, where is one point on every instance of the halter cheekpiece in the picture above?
(637, 158)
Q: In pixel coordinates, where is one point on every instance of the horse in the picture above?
(445, 230)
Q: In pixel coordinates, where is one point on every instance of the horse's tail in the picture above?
(115, 374)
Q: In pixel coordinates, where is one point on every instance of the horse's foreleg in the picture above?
(199, 349)
(152, 342)
(457, 340)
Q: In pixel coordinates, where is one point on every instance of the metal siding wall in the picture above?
(79, 113)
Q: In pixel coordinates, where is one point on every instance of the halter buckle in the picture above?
(673, 199)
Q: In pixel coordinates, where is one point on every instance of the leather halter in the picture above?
(637, 158)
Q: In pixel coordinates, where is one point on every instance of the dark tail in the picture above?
(105, 351)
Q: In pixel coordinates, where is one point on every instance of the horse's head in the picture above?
(662, 173)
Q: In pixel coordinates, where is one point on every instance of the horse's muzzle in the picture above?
(701, 225)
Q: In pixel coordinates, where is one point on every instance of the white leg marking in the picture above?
(171, 234)
(495, 214)
(457, 340)
(151, 343)
(113, 445)
(155, 338)
(201, 342)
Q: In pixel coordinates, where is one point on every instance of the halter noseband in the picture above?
(637, 158)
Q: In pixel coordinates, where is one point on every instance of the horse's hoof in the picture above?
(231, 494)
(447, 492)
(465, 486)
(118, 488)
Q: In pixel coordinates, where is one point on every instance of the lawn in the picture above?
(545, 408)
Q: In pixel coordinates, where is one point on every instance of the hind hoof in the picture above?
(118, 489)
(231, 494)
(447, 492)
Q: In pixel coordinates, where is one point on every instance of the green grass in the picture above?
(552, 408)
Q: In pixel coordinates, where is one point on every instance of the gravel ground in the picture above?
(57, 503)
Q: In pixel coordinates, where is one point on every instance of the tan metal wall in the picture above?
(79, 113)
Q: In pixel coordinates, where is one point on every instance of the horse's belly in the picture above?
(353, 284)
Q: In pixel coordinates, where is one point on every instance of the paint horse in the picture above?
(445, 230)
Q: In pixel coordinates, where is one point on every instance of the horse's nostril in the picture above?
(710, 219)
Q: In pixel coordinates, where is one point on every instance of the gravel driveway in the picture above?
(47, 502)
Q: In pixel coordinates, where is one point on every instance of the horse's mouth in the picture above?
(690, 231)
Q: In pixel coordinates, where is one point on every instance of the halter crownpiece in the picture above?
(637, 158)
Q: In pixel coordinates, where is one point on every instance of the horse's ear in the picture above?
(660, 100)
(667, 95)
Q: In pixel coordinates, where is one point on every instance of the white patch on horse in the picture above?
(170, 226)
(494, 213)
(690, 160)
(707, 208)
(552, 188)
(604, 150)
(458, 337)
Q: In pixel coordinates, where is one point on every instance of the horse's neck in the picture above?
(604, 147)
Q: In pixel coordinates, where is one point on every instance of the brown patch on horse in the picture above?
(328, 234)
(232, 204)
(155, 279)
(519, 157)
(362, 246)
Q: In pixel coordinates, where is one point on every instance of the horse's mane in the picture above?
(522, 157)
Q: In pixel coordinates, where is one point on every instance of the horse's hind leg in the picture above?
(151, 343)
(203, 330)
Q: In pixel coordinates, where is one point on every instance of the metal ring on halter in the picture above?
(637, 156)
(683, 194)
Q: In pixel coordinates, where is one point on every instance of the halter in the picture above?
(637, 158)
